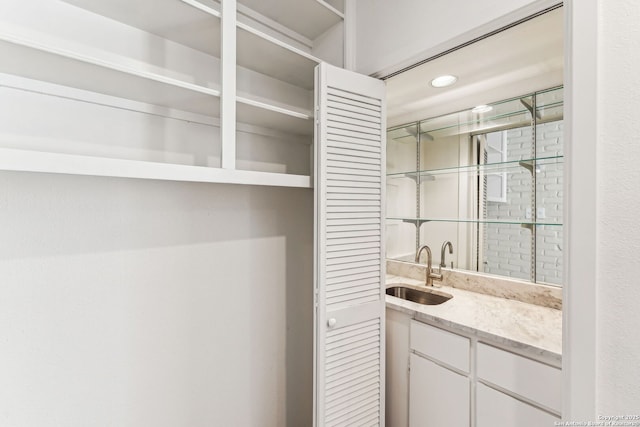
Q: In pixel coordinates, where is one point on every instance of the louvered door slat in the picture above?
(353, 190)
(353, 416)
(333, 137)
(370, 248)
(351, 277)
(349, 165)
(362, 108)
(348, 253)
(352, 97)
(349, 331)
(337, 104)
(342, 407)
(351, 152)
(355, 240)
(351, 266)
(350, 161)
(363, 131)
(353, 291)
(370, 148)
(355, 353)
(345, 301)
(351, 215)
(344, 274)
(359, 387)
(338, 286)
(336, 130)
(336, 116)
(345, 413)
(344, 195)
(341, 289)
(339, 109)
(348, 258)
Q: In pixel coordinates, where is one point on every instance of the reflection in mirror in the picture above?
(490, 182)
(488, 178)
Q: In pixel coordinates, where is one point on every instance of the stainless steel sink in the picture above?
(421, 297)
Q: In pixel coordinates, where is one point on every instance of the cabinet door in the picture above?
(397, 367)
(524, 377)
(349, 252)
(437, 397)
(496, 409)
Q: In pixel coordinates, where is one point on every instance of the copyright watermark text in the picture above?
(605, 421)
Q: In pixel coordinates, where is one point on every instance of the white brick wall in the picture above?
(507, 248)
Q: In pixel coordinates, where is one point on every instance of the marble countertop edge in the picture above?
(527, 329)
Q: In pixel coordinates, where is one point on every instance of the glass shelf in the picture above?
(473, 221)
(515, 112)
(510, 166)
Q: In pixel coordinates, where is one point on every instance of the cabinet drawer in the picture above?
(496, 409)
(530, 379)
(438, 397)
(444, 346)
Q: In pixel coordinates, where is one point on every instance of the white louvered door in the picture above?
(349, 250)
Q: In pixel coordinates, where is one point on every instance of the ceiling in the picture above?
(517, 61)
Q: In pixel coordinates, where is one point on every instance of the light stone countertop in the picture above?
(528, 329)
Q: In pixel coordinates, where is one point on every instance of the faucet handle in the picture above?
(437, 275)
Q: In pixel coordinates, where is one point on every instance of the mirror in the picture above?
(486, 178)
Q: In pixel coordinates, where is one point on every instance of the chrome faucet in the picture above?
(442, 255)
(430, 274)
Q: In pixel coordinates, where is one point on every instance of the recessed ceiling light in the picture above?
(482, 109)
(444, 81)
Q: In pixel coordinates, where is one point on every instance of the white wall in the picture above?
(391, 35)
(600, 360)
(618, 204)
(154, 303)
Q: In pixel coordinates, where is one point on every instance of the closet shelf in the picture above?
(36, 161)
(274, 116)
(268, 55)
(309, 18)
(75, 65)
(43, 57)
(181, 21)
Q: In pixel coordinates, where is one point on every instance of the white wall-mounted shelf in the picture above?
(34, 161)
(164, 58)
(309, 18)
(45, 58)
(181, 21)
(265, 54)
(274, 116)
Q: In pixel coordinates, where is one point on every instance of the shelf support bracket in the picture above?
(416, 222)
(528, 165)
(529, 107)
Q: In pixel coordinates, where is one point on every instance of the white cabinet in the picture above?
(438, 396)
(446, 347)
(496, 409)
(521, 376)
(456, 380)
(515, 390)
